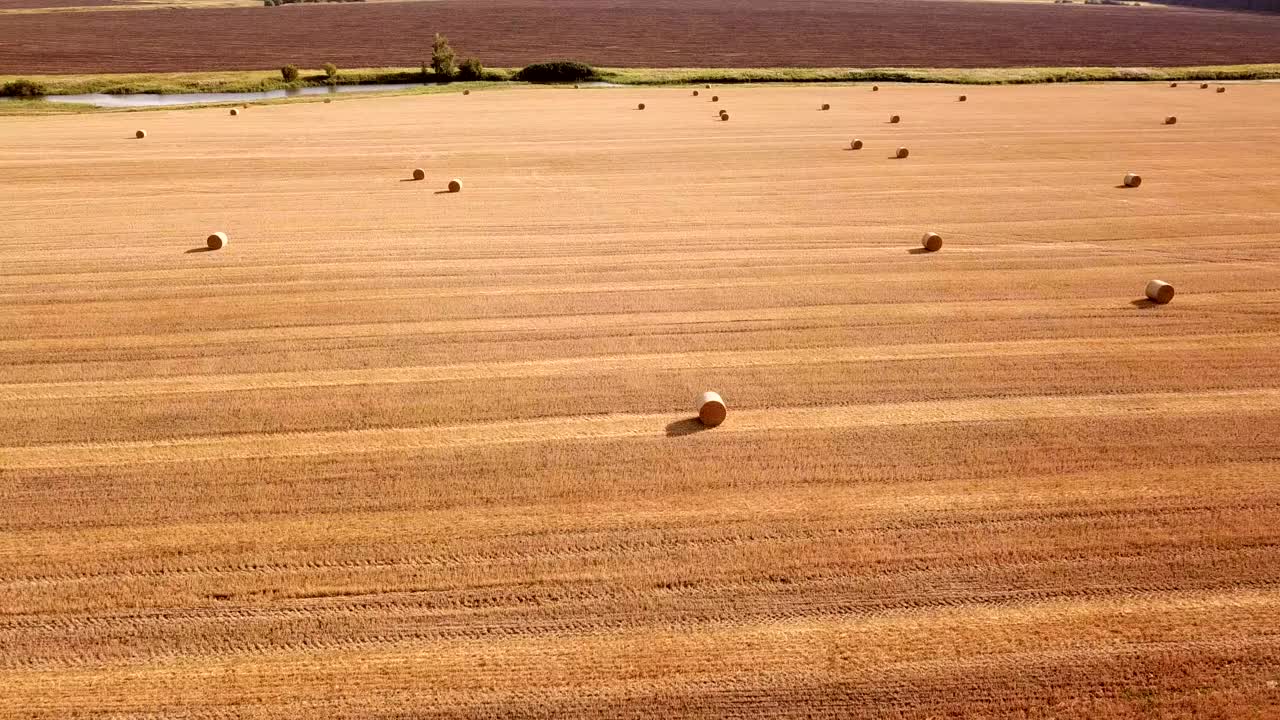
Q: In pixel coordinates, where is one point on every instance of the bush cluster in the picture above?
(277, 3)
(558, 71)
(22, 88)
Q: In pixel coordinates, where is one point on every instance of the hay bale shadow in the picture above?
(687, 426)
(1144, 303)
(202, 248)
(1122, 186)
(445, 192)
(918, 251)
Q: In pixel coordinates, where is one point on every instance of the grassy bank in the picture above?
(966, 76)
(222, 81)
(260, 80)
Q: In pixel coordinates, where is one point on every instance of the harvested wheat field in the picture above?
(400, 453)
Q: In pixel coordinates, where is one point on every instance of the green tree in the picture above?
(444, 62)
(289, 73)
(330, 70)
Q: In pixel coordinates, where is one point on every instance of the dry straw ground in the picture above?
(399, 454)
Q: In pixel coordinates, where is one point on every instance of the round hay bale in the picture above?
(875, 88)
(1159, 291)
(826, 106)
(235, 111)
(706, 87)
(855, 145)
(419, 174)
(1173, 84)
(1171, 120)
(895, 119)
(245, 106)
(902, 153)
(640, 106)
(575, 87)
(695, 93)
(216, 241)
(466, 92)
(140, 134)
(1132, 180)
(964, 98)
(931, 242)
(724, 117)
(328, 100)
(1221, 90)
(1204, 86)
(711, 409)
(455, 185)
(715, 98)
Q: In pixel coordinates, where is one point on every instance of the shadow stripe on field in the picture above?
(604, 427)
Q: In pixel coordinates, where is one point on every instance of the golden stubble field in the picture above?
(400, 454)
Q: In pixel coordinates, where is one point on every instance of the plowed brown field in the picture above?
(645, 33)
(402, 454)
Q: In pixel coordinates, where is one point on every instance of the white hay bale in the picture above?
(234, 111)
(140, 134)
(931, 242)
(902, 153)
(1132, 180)
(1171, 120)
(419, 174)
(640, 106)
(895, 119)
(711, 409)
(1159, 291)
(455, 185)
(964, 98)
(855, 145)
(1222, 90)
(216, 241)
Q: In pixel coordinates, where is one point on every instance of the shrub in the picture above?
(330, 70)
(556, 72)
(471, 69)
(22, 88)
(443, 59)
(289, 73)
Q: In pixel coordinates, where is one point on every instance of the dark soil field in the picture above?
(35, 4)
(657, 33)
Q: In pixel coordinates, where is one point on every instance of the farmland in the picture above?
(635, 33)
(401, 453)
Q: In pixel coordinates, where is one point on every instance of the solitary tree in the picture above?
(330, 70)
(444, 62)
(289, 73)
